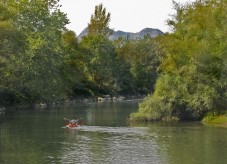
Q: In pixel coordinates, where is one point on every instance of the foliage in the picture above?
(193, 72)
(138, 60)
(99, 23)
(11, 45)
(34, 73)
(42, 61)
(216, 119)
(101, 62)
(75, 67)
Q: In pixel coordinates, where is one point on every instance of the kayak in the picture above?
(72, 125)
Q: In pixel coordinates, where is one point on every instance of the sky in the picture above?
(126, 15)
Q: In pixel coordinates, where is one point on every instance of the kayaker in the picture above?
(72, 122)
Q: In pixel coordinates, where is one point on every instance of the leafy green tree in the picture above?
(11, 44)
(99, 22)
(124, 77)
(37, 75)
(100, 53)
(192, 80)
(101, 62)
(140, 63)
(75, 66)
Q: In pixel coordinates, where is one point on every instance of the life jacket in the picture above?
(72, 125)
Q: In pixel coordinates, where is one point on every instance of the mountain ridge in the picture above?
(130, 35)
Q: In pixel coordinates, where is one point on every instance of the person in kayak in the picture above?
(73, 122)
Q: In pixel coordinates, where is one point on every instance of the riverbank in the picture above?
(210, 118)
(216, 120)
(92, 99)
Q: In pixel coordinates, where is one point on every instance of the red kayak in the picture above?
(74, 123)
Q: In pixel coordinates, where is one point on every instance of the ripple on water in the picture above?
(96, 144)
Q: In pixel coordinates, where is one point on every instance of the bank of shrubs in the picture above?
(192, 79)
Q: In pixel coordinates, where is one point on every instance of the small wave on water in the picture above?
(115, 130)
(100, 144)
(124, 132)
(105, 129)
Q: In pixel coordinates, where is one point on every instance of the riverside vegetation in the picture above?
(41, 61)
(184, 71)
(193, 72)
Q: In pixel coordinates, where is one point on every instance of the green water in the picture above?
(40, 137)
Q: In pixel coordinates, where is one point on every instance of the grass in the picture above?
(220, 120)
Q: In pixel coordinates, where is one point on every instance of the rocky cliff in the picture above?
(132, 36)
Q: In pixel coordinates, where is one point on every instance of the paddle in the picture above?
(79, 121)
(66, 119)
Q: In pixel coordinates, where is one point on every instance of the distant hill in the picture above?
(132, 36)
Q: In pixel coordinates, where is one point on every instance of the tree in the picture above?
(139, 63)
(101, 62)
(36, 75)
(11, 45)
(192, 80)
(99, 22)
(74, 65)
(101, 56)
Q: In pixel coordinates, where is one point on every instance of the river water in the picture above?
(40, 137)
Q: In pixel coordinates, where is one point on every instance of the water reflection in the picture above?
(191, 143)
(110, 113)
(38, 136)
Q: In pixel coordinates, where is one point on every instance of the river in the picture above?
(40, 137)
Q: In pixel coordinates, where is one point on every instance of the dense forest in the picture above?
(41, 61)
(184, 71)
